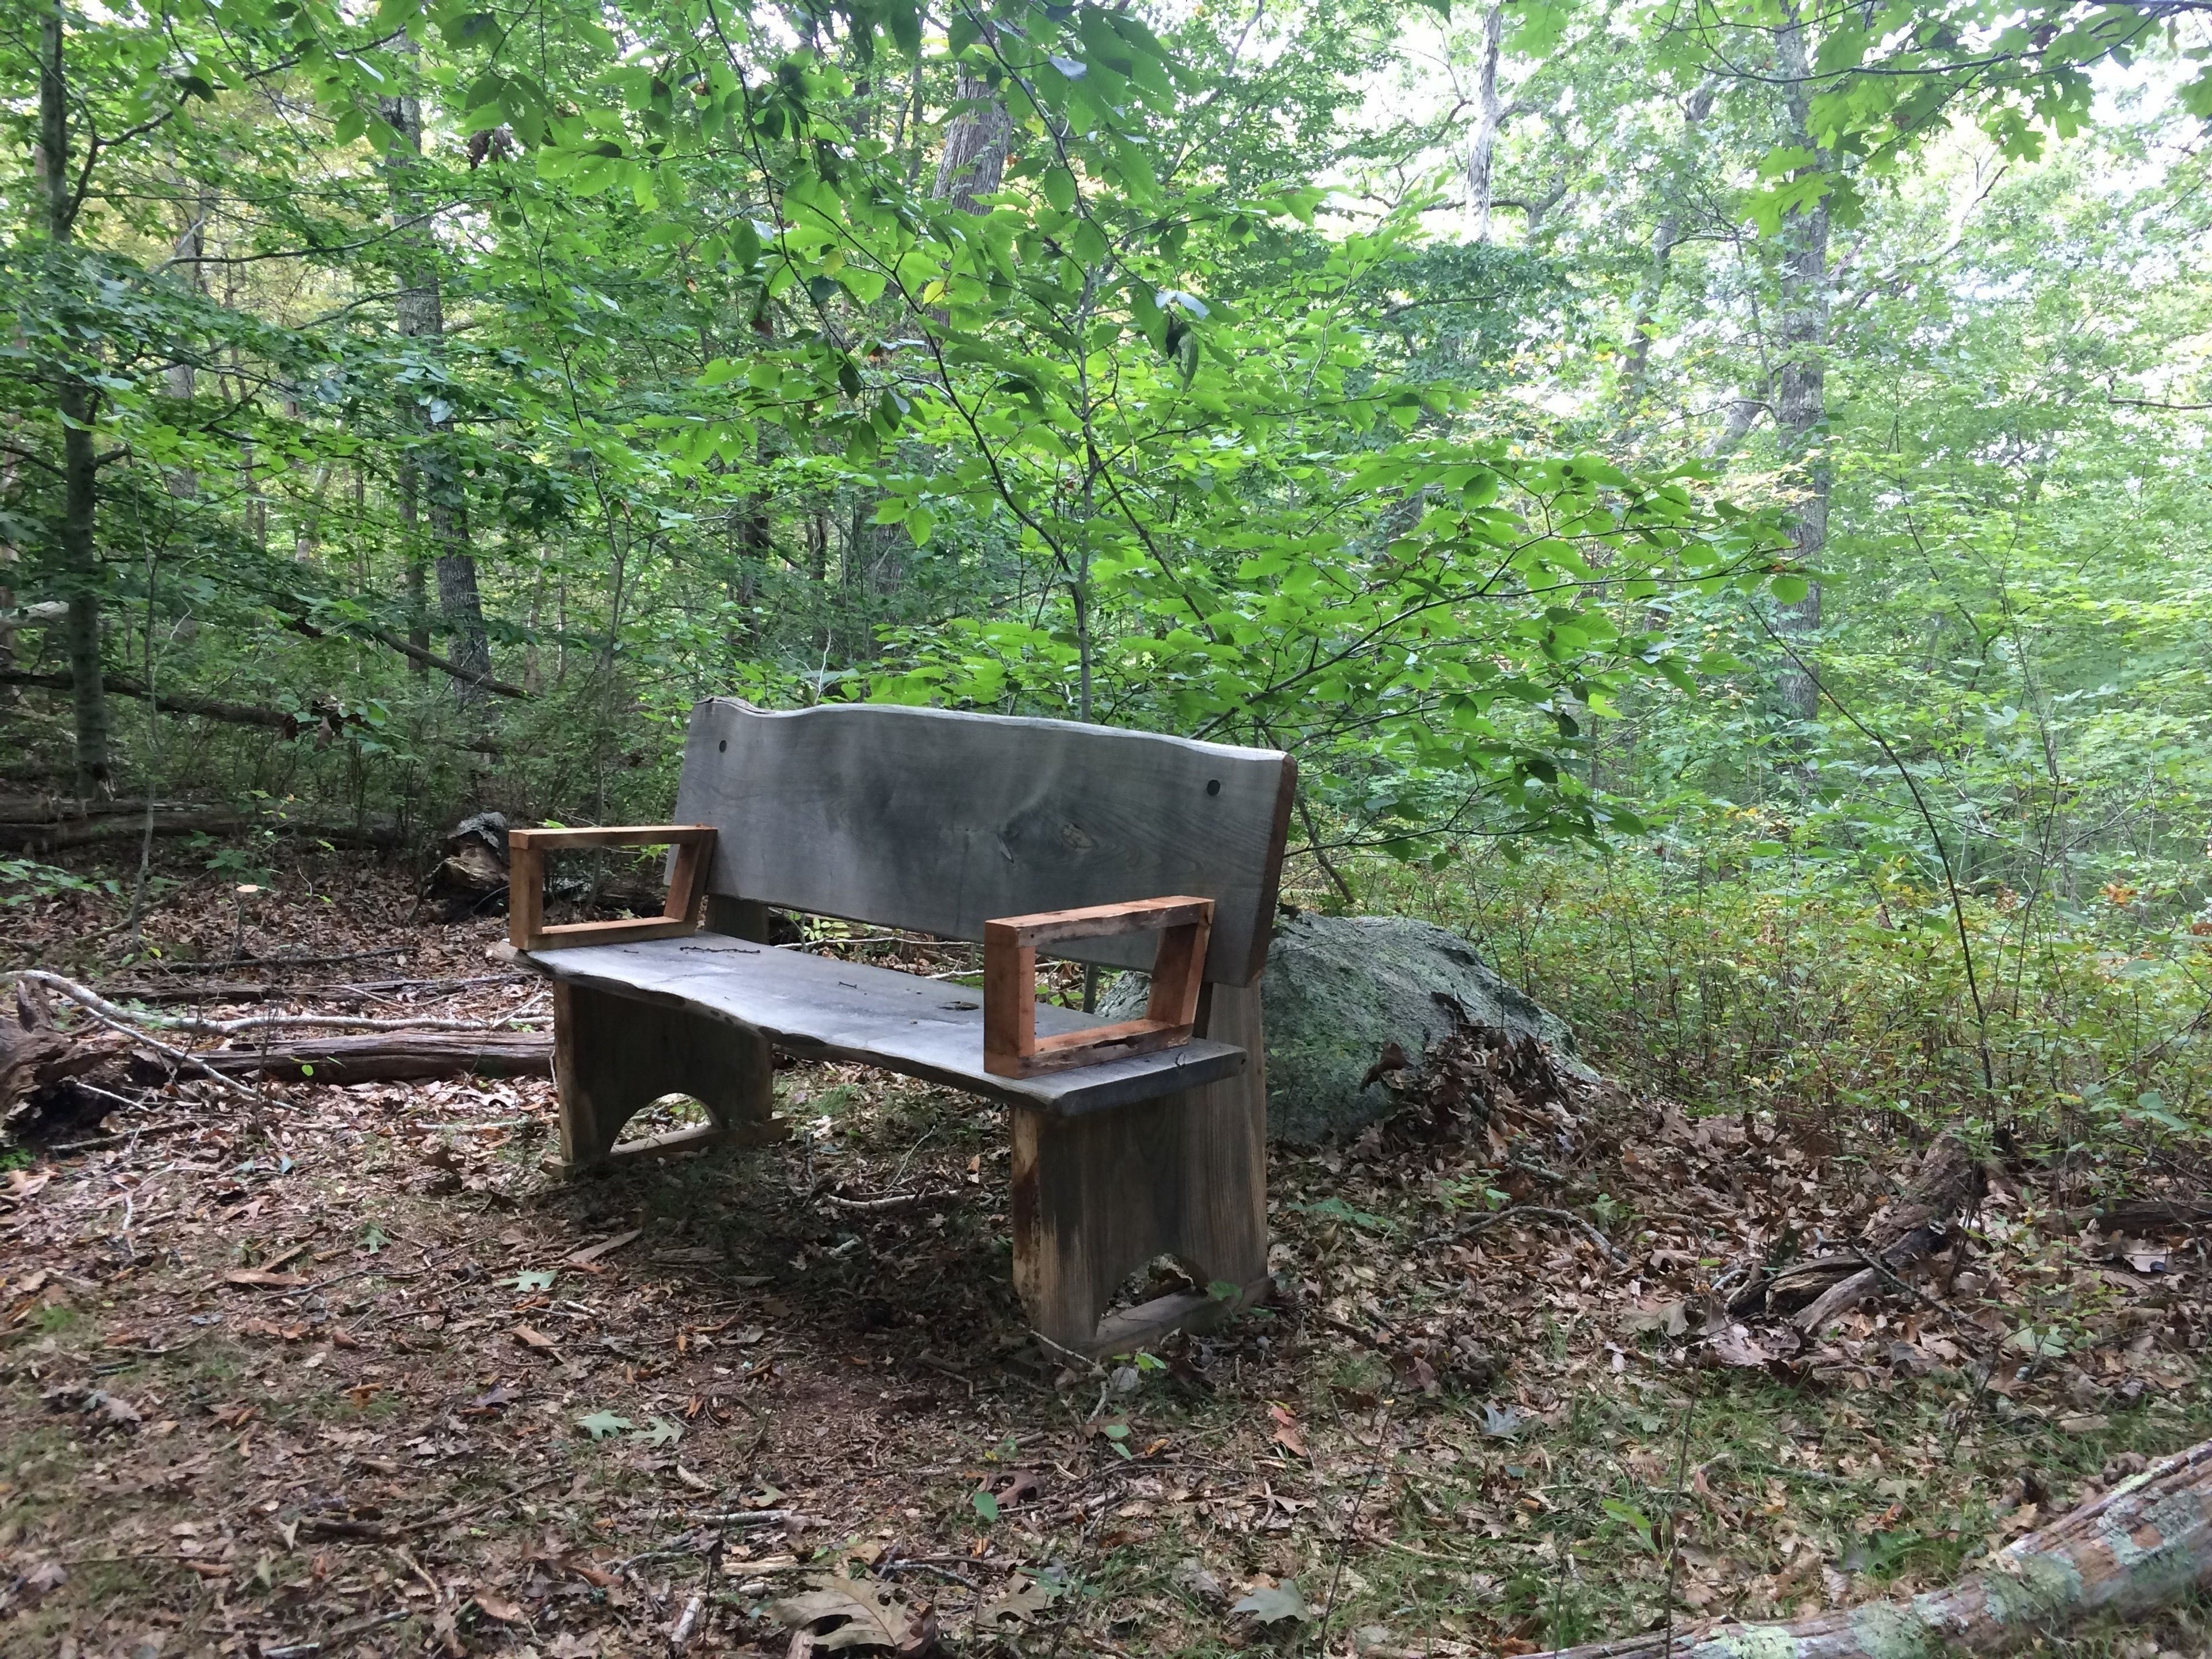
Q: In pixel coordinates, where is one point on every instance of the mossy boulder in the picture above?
(1340, 991)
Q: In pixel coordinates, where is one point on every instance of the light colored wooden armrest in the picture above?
(525, 885)
(1011, 1046)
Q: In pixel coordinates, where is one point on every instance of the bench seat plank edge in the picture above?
(824, 1009)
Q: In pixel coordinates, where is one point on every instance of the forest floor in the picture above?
(356, 1373)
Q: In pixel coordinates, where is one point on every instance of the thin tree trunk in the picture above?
(75, 402)
(1489, 111)
(436, 483)
(1801, 409)
(181, 379)
(1665, 237)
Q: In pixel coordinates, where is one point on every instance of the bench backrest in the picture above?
(938, 821)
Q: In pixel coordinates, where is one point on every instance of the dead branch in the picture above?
(85, 997)
(1814, 1291)
(391, 1057)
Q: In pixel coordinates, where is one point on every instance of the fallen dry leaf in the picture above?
(842, 1613)
(584, 1257)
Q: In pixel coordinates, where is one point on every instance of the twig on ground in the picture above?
(899, 1565)
(740, 1517)
(274, 962)
(1349, 1527)
(889, 1201)
(1522, 1212)
(474, 1509)
(160, 1128)
(343, 1633)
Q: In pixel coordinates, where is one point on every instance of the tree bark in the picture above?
(1665, 237)
(75, 402)
(1481, 148)
(434, 483)
(975, 158)
(389, 1056)
(181, 377)
(2145, 1544)
(1801, 409)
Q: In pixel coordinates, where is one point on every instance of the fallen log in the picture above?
(390, 1057)
(171, 702)
(120, 821)
(2145, 1543)
(36, 1058)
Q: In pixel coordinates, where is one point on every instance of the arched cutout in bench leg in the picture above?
(1098, 1196)
(614, 1055)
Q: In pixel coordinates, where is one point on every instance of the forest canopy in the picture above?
(1549, 422)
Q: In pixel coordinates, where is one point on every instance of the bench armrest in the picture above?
(525, 885)
(1011, 1047)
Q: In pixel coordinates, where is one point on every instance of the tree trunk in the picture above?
(1800, 408)
(181, 377)
(975, 157)
(2145, 1544)
(76, 401)
(434, 482)
(1489, 111)
(1665, 237)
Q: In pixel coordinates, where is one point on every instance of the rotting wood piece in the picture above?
(1815, 1290)
(2143, 1545)
(390, 1057)
(1011, 1047)
(687, 884)
(37, 1057)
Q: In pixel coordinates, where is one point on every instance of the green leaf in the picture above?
(986, 1504)
(536, 1279)
(601, 1424)
(659, 1432)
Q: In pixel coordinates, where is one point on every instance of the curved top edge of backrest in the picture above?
(1025, 722)
(938, 820)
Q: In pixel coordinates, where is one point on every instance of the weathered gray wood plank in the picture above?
(938, 821)
(812, 1006)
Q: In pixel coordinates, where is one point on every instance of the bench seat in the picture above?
(830, 1010)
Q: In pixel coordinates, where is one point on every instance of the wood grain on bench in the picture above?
(939, 822)
(1011, 1047)
(825, 1009)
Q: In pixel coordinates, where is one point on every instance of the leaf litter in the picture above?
(265, 1381)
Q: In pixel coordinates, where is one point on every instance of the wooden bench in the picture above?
(1130, 1140)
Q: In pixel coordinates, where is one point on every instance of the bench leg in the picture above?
(1097, 1197)
(613, 1056)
